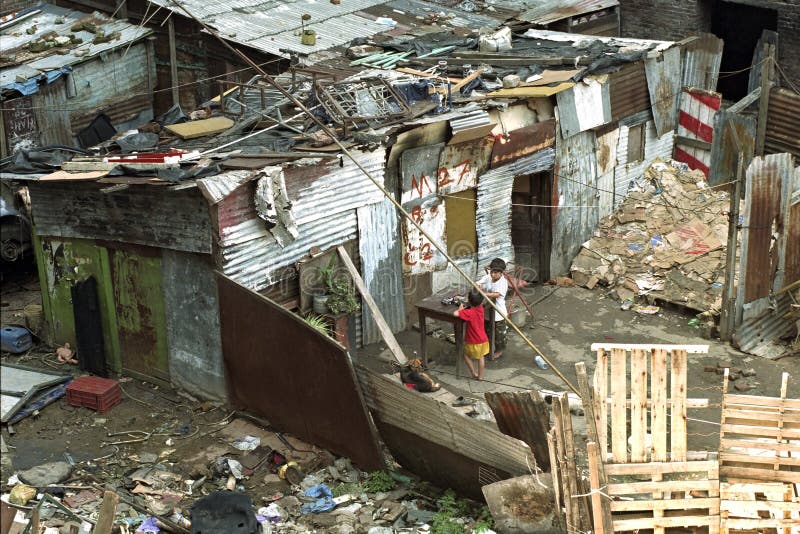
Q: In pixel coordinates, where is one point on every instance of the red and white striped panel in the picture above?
(696, 121)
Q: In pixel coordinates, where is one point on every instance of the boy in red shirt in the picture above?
(476, 342)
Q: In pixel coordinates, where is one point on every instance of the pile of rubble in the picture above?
(666, 243)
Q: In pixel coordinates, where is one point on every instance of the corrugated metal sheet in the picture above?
(524, 141)
(461, 18)
(554, 10)
(216, 188)
(626, 172)
(764, 320)
(494, 204)
(724, 151)
(585, 106)
(628, 91)
(256, 260)
(271, 26)
(14, 38)
(418, 173)
(762, 215)
(192, 321)
(792, 254)
(380, 250)
(701, 60)
(49, 105)
(664, 84)
(523, 415)
(320, 189)
(299, 379)
(577, 191)
(144, 215)
(783, 126)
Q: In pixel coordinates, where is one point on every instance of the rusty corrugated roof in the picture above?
(554, 10)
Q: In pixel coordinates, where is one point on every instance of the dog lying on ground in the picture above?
(414, 373)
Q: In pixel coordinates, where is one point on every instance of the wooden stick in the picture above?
(595, 466)
(619, 413)
(105, 519)
(383, 326)
(639, 450)
(678, 419)
(423, 74)
(466, 80)
(6, 517)
(658, 410)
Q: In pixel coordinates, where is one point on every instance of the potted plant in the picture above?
(339, 303)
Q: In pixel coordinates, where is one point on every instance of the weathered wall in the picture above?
(193, 331)
(677, 19)
(10, 6)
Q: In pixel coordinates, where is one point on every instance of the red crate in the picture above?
(93, 392)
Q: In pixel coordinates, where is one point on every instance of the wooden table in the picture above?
(432, 308)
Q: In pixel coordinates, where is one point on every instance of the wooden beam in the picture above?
(745, 102)
(173, 62)
(696, 143)
(383, 326)
(105, 519)
(122, 9)
(767, 75)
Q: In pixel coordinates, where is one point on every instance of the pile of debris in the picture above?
(666, 243)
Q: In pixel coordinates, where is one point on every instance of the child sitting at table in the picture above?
(476, 342)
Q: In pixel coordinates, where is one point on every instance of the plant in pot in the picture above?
(340, 296)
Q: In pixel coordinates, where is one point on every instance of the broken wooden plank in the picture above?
(601, 406)
(638, 445)
(105, 519)
(619, 413)
(689, 349)
(383, 326)
(201, 128)
(658, 410)
(678, 412)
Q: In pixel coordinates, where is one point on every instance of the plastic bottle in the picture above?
(541, 363)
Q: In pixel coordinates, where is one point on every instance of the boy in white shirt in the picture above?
(495, 285)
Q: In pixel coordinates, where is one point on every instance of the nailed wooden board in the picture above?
(63, 176)
(201, 128)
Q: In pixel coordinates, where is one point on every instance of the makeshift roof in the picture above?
(272, 26)
(21, 66)
(554, 10)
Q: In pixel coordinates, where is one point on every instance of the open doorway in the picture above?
(530, 225)
(740, 26)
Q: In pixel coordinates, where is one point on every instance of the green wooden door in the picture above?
(139, 301)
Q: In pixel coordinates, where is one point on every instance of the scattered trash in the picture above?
(149, 526)
(247, 443)
(646, 310)
(323, 500)
(694, 322)
(15, 339)
(541, 363)
(21, 494)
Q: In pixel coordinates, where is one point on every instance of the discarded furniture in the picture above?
(432, 308)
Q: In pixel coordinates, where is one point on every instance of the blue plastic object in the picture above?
(15, 339)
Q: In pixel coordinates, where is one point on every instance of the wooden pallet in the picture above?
(656, 401)
(664, 496)
(759, 506)
(760, 437)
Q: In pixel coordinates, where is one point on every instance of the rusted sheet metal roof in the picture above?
(762, 216)
(493, 213)
(554, 10)
(701, 60)
(296, 377)
(15, 39)
(437, 422)
(321, 188)
(380, 250)
(523, 415)
(628, 91)
(783, 127)
(764, 321)
(271, 26)
(524, 142)
(664, 85)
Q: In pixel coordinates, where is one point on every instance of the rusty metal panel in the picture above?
(217, 188)
(701, 60)
(144, 215)
(51, 101)
(524, 142)
(783, 126)
(628, 91)
(554, 10)
(576, 196)
(380, 250)
(764, 321)
(584, 106)
(477, 443)
(664, 85)
(294, 376)
(523, 415)
(724, 151)
(493, 213)
(460, 164)
(761, 218)
(698, 108)
(793, 232)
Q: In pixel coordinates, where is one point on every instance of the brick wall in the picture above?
(676, 19)
(12, 6)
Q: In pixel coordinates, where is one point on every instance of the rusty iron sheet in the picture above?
(460, 164)
(783, 128)
(664, 85)
(702, 58)
(554, 10)
(628, 91)
(724, 151)
(792, 229)
(523, 415)
(762, 213)
(418, 170)
(294, 376)
(524, 142)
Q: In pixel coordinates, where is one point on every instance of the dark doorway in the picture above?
(740, 26)
(530, 225)
(88, 327)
